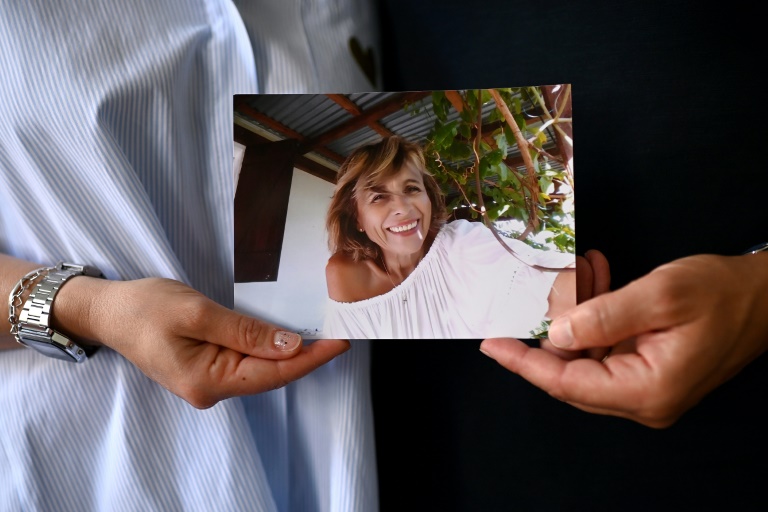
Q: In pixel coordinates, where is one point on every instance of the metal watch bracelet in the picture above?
(34, 328)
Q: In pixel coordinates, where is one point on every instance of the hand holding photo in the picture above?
(437, 225)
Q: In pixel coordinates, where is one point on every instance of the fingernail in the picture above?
(484, 350)
(285, 340)
(561, 332)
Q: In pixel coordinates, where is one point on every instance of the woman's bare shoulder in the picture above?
(347, 280)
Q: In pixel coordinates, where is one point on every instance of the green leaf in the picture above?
(511, 140)
(492, 211)
(501, 142)
(440, 105)
(542, 331)
(503, 172)
(494, 157)
(484, 167)
(465, 130)
(461, 150)
(544, 184)
(520, 120)
(444, 134)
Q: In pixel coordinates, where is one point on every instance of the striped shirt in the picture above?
(116, 150)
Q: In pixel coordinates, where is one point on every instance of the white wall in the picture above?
(297, 299)
(239, 154)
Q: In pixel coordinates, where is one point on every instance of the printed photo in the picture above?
(406, 215)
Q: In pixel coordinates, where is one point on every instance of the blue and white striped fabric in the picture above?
(116, 133)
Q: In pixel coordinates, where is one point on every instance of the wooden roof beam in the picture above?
(385, 108)
(350, 106)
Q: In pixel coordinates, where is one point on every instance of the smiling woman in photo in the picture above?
(399, 270)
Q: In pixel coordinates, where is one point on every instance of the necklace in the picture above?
(383, 263)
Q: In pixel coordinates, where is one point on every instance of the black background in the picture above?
(669, 127)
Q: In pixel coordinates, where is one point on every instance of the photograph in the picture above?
(445, 214)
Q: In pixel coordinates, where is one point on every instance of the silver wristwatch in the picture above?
(757, 248)
(34, 330)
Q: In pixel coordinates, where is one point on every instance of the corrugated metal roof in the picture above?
(332, 126)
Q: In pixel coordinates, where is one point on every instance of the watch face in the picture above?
(51, 350)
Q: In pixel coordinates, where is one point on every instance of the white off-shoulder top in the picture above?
(466, 286)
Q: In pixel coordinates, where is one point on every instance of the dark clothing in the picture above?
(669, 130)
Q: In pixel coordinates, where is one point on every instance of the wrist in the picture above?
(78, 313)
(755, 279)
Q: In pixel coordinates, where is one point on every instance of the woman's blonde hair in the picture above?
(367, 167)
